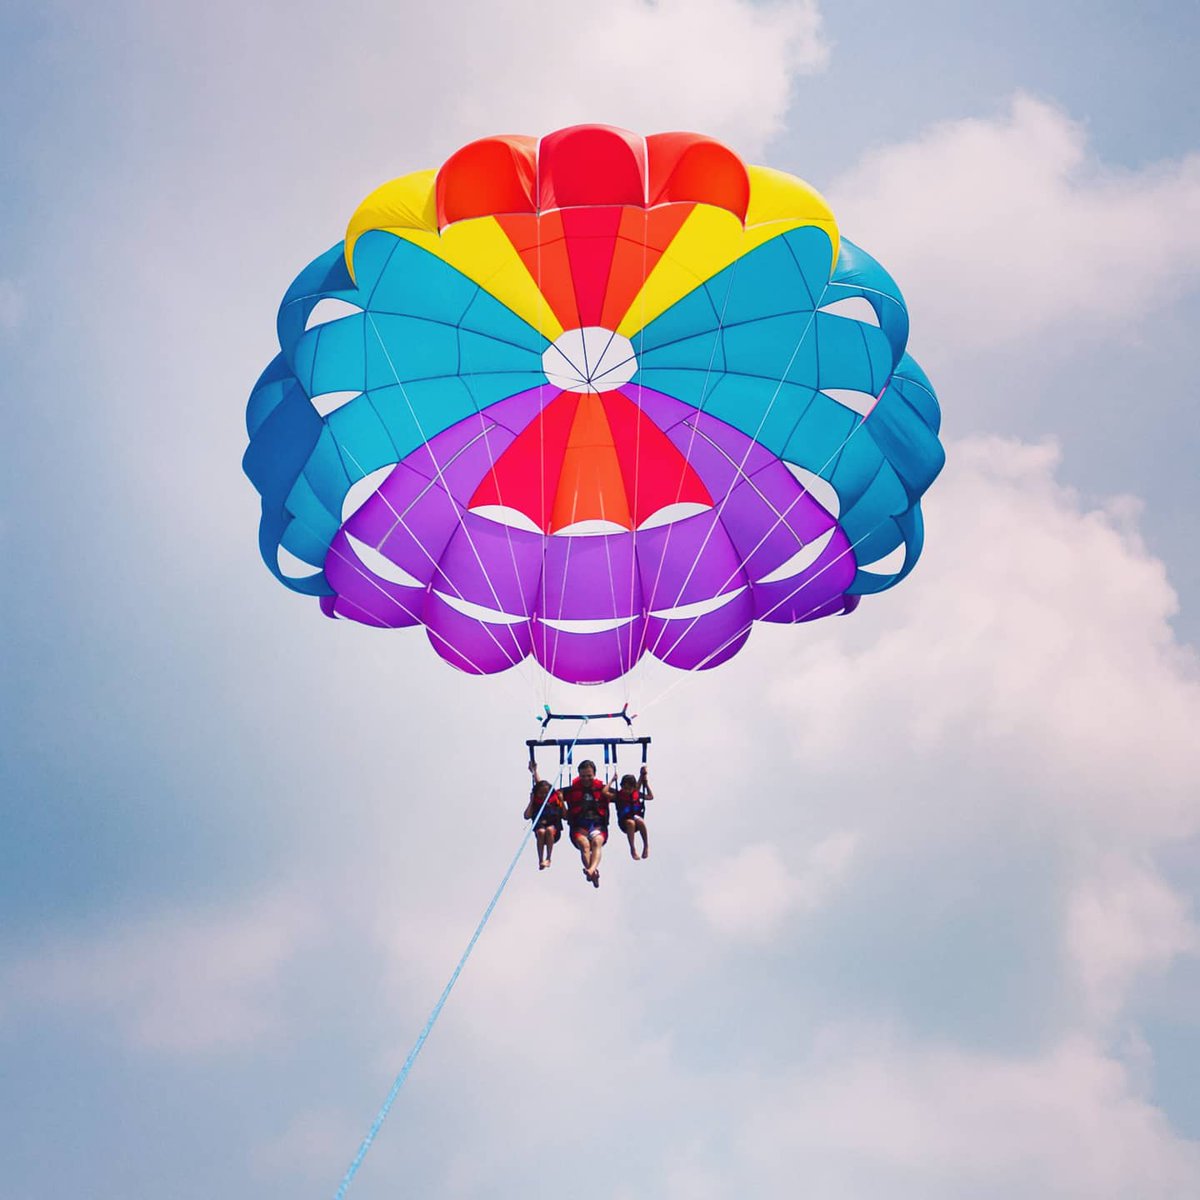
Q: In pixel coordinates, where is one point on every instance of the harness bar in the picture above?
(623, 715)
(566, 746)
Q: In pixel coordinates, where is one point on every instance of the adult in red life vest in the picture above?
(547, 806)
(587, 800)
(631, 810)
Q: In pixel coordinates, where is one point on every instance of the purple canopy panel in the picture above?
(340, 607)
(697, 643)
(687, 561)
(838, 606)
(463, 473)
(492, 565)
(589, 657)
(364, 596)
(461, 455)
(806, 594)
(769, 518)
(718, 453)
(515, 412)
(409, 520)
(429, 459)
(665, 411)
(472, 645)
(589, 578)
(373, 520)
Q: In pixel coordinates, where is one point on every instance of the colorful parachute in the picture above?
(590, 397)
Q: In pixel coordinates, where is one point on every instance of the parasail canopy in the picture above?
(587, 398)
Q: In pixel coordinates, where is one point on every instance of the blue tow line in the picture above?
(385, 1108)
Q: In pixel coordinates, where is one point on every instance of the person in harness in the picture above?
(631, 810)
(587, 801)
(547, 806)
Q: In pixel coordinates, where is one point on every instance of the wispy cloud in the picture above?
(938, 1122)
(724, 67)
(178, 983)
(1008, 227)
(752, 892)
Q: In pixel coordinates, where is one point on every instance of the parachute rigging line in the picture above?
(385, 1108)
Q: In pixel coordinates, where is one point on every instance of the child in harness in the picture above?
(631, 810)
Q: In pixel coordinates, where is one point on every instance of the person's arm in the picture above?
(644, 785)
(534, 772)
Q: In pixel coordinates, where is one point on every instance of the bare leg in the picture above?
(551, 838)
(597, 849)
(641, 828)
(583, 842)
(630, 826)
(540, 834)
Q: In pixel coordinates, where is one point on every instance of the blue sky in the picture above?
(920, 919)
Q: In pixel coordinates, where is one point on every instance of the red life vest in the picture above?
(586, 803)
(553, 808)
(631, 806)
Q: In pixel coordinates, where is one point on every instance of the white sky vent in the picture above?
(330, 309)
(671, 513)
(361, 491)
(590, 360)
(857, 308)
(328, 402)
(581, 625)
(382, 566)
(514, 518)
(593, 527)
(490, 616)
(293, 567)
(860, 402)
(889, 564)
(700, 608)
(821, 490)
(801, 560)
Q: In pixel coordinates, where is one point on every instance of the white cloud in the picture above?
(1034, 638)
(752, 892)
(1124, 921)
(999, 229)
(179, 983)
(427, 78)
(870, 1115)
(721, 67)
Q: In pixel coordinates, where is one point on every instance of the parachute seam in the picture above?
(442, 480)
(804, 491)
(687, 454)
(720, 507)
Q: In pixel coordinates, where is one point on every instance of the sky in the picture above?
(920, 917)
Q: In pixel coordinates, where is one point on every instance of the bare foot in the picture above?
(645, 851)
(596, 879)
(542, 866)
(633, 853)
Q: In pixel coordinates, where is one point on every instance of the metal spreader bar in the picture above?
(566, 747)
(623, 715)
